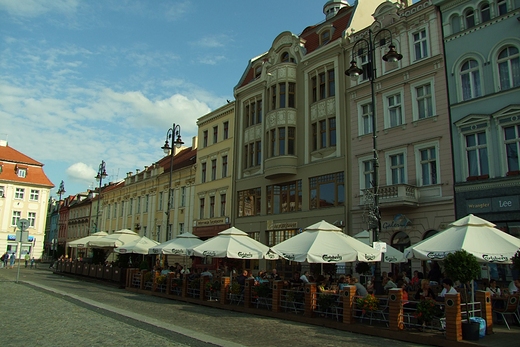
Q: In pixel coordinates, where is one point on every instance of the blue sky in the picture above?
(85, 81)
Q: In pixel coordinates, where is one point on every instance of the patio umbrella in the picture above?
(83, 242)
(472, 234)
(116, 239)
(393, 255)
(180, 245)
(232, 243)
(139, 246)
(325, 243)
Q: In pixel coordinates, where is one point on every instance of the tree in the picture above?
(516, 260)
(464, 267)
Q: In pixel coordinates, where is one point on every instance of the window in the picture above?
(365, 64)
(283, 99)
(274, 237)
(367, 173)
(158, 230)
(327, 85)
(284, 198)
(365, 119)
(291, 101)
(331, 82)
(283, 95)
(215, 134)
(183, 196)
(424, 102)
(273, 97)
(509, 68)
(258, 152)
(205, 138)
(397, 168)
(249, 202)
(31, 217)
(2, 192)
(145, 231)
(138, 204)
(470, 80)
(35, 195)
(172, 200)
(181, 228)
(325, 37)
(502, 7)
(420, 45)
(455, 24)
(314, 93)
(22, 173)
(122, 209)
(203, 173)
(211, 207)
(281, 141)
(512, 143)
(15, 217)
(394, 110)
(477, 154)
(253, 154)
(19, 193)
(147, 203)
(252, 113)
(224, 166)
(485, 14)
(323, 133)
(202, 201)
(470, 19)
(222, 205)
(428, 166)
(285, 57)
(226, 130)
(327, 191)
(160, 207)
(322, 89)
(213, 169)
(291, 140)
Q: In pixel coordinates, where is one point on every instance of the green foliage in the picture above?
(262, 290)
(516, 260)
(161, 279)
(148, 276)
(143, 265)
(326, 301)
(427, 310)
(464, 267)
(234, 288)
(213, 286)
(367, 303)
(195, 284)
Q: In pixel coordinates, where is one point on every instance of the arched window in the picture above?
(429, 233)
(470, 19)
(502, 7)
(509, 68)
(285, 57)
(400, 241)
(325, 37)
(485, 14)
(470, 80)
(455, 24)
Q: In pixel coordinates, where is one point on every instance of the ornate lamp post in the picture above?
(102, 173)
(61, 191)
(367, 47)
(174, 135)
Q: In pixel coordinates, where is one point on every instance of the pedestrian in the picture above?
(27, 258)
(32, 263)
(12, 259)
(5, 259)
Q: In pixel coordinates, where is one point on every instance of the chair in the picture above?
(510, 309)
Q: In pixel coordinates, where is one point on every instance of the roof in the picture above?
(12, 160)
(184, 158)
(340, 22)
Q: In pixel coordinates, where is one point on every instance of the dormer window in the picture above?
(258, 71)
(324, 37)
(286, 58)
(21, 171)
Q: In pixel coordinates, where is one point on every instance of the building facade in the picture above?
(415, 180)
(24, 194)
(482, 45)
(214, 179)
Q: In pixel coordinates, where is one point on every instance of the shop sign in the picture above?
(498, 204)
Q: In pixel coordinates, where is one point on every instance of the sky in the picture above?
(85, 81)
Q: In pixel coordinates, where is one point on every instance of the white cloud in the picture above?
(35, 8)
(81, 173)
(213, 41)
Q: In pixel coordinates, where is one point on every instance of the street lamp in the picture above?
(354, 72)
(102, 173)
(173, 132)
(61, 191)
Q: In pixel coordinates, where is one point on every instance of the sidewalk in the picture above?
(249, 328)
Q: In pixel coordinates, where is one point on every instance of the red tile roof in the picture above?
(11, 160)
(184, 158)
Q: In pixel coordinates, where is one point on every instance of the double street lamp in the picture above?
(102, 173)
(366, 48)
(61, 191)
(173, 139)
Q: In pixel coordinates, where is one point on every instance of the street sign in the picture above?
(22, 224)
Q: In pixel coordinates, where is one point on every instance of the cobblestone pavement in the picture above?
(46, 309)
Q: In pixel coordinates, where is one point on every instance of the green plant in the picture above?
(147, 277)
(367, 303)
(235, 288)
(262, 290)
(464, 267)
(143, 265)
(427, 309)
(362, 268)
(326, 301)
(161, 279)
(213, 286)
(177, 282)
(195, 284)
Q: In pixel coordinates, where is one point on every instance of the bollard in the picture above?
(349, 295)
(453, 317)
(224, 289)
(310, 301)
(277, 296)
(395, 307)
(487, 309)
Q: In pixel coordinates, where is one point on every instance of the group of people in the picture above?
(8, 260)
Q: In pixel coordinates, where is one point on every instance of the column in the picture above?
(453, 317)
(277, 295)
(310, 299)
(348, 299)
(487, 309)
(225, 282)
(395, 307)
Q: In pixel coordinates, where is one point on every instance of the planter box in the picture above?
(79, 268)
(107, 273)
(86, 268)
(99, 271)
(116, 274)
(67, 267)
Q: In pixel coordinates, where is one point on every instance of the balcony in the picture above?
(394, 195)
(285, 165)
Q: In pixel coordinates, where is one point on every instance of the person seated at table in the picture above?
(206, 273)
(405, 278)
(492, 288)
(402, 284)
(261, 277)
(305, 277)
(390, 283)
(447, 288)
(322, 285)
(370, 285)
(360, 289)
(342, 283)
(274, 275)
(425, 292)
(514, 286)
(295, 281)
